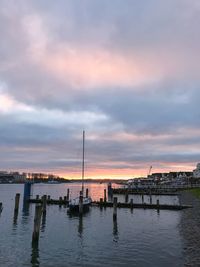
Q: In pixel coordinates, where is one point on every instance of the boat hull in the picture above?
(75, 208)
(74, 205)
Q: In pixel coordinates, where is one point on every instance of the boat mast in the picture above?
(83, 163)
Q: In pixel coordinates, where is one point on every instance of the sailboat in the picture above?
(84, 201)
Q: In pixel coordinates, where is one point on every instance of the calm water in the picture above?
(139, 238)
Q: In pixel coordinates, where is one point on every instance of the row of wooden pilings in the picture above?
(127, 198)
(115, 201)
(40, 209)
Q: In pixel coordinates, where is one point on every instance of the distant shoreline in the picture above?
(73, 181)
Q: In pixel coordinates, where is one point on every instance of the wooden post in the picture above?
(44, 204)
(131, 202)
(158, 204)
(115, 208)
(1, 207)
(105, 198)
(142, 199)
(60, 201)
(126, 198)
(37, 197)
(81, 204)
(48, 197)
(101, 203)
(68, 194)
(86, 192)
(37, 222)
(150, 199)
(17, 198)
(65, 198)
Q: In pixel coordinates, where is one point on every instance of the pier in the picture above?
(142, 205)
(131, 204)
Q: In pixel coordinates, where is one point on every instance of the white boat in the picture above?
(74, 204)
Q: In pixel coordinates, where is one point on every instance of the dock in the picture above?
(130, 205)
(131, 191)
(142, 206)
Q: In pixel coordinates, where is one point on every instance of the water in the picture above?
(139, 238)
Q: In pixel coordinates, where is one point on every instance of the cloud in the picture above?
(127, 72)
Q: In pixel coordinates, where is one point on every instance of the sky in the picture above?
(125, 71)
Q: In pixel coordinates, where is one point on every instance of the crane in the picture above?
(149, 172)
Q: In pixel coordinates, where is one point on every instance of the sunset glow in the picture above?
(127, 73)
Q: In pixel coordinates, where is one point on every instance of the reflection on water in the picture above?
(43, 225)
(115, 231)
(15, 219)
(25, 209)
(80, 226)
(137, 238)
(35, 255)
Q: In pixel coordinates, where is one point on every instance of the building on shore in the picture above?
(196, 172)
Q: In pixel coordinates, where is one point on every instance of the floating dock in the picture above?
(142, 206)
(131, 205)
(124, 191)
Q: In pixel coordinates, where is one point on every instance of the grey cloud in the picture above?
(155, 109)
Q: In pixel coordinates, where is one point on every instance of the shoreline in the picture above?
(190, 229)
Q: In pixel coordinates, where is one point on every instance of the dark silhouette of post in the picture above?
(16, 209)
(115, 208)
(158, 204)
(142, 199)
(44, 204)
(37, 222)
(81, 204)
(86, 192)
(27, 190)
(105, 196)
(68, 194)
(17, 199)
(150, 199)
(131, 203)
(1, 207)
(126, 198)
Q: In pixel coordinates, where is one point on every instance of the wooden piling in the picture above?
(151, 199)
(105, 197)
(86, 192)
(101, 203)
(1, 207)
(65, 198)
(48, 197)
(142, 199)
(37, 222)
(17, 198)
(37, 197)
(126, 198)
(158, 203)
(60, 201)
(131, 202)
(44, 204)
(80, 204)
(68, 194)
(115, 208)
